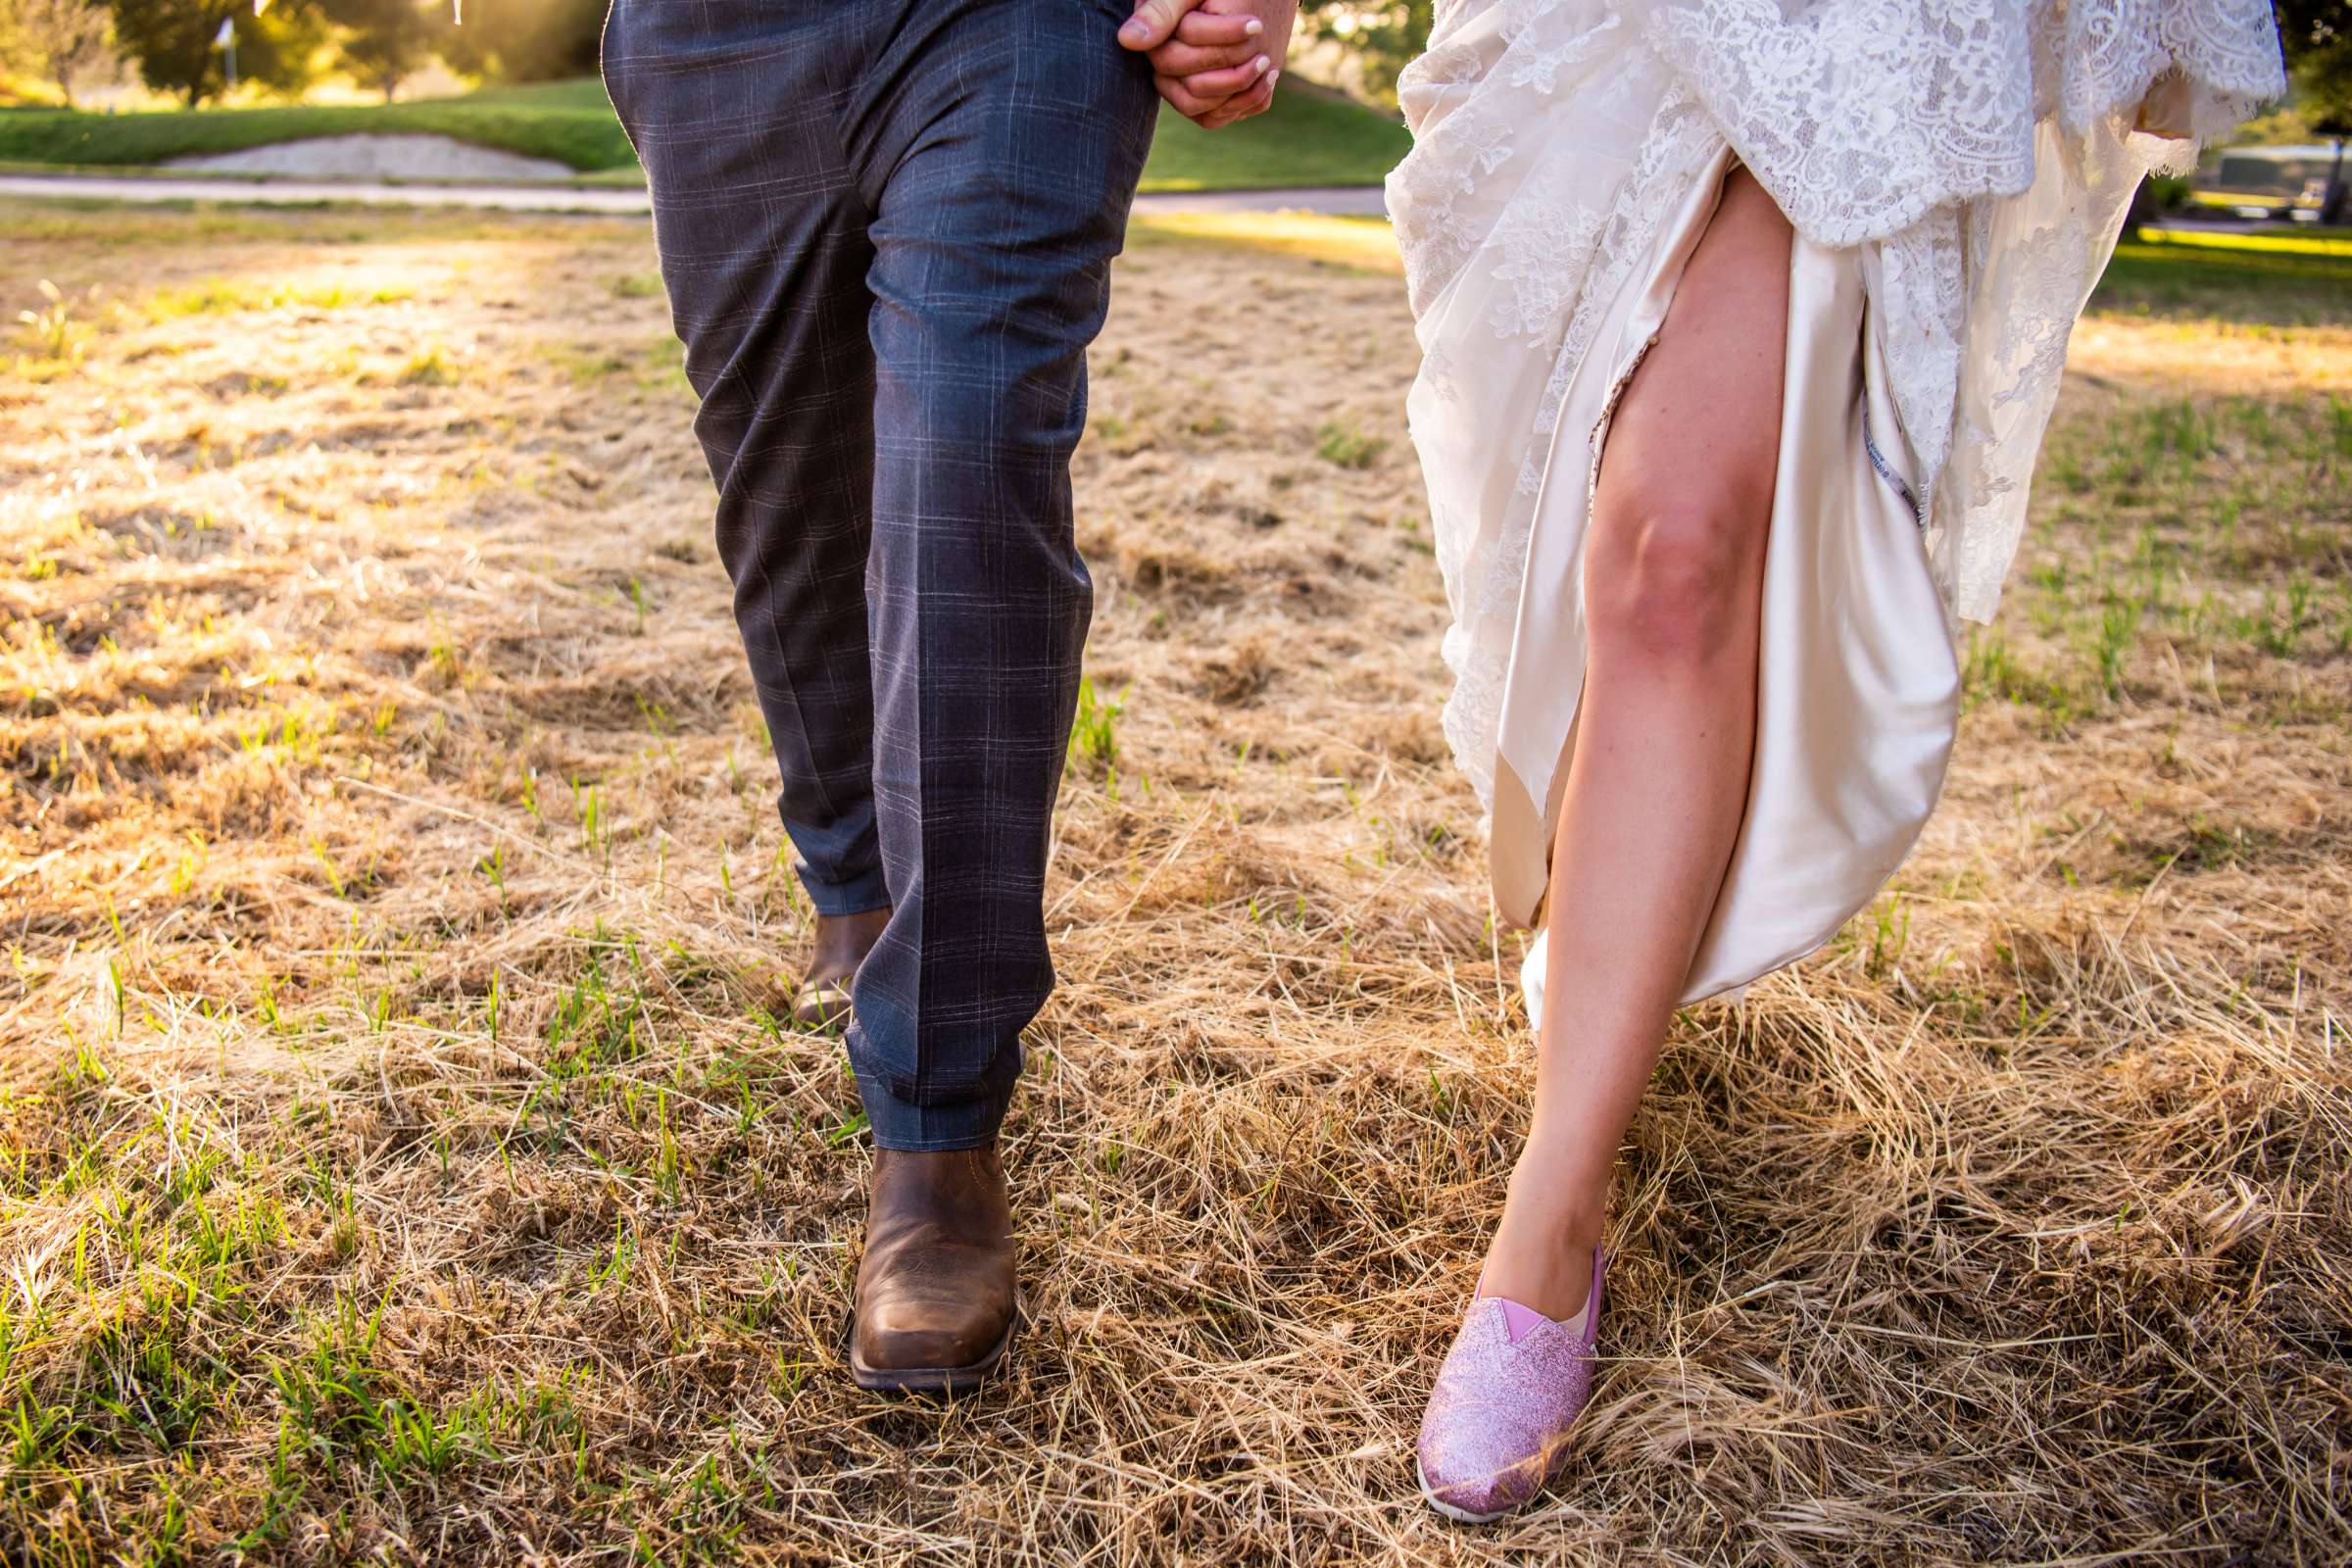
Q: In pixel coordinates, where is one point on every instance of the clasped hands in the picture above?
(1215, 60)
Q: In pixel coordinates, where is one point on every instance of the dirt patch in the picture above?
(403, 1165)
(371, 156)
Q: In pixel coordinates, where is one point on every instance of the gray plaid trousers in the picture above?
(886, 227)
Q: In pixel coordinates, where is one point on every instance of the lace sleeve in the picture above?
(1863, 117)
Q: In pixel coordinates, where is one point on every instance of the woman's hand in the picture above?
(1217, 61)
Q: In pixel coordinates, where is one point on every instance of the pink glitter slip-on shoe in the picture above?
(1498, 1417)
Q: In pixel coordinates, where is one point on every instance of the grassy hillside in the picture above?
(569, 122)
(1311, 138)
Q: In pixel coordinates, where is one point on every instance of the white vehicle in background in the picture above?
(2290, 184)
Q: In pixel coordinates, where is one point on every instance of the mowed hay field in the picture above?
(401, 1163)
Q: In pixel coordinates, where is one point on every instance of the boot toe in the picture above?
(913, 1337)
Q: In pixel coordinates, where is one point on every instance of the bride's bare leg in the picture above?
(1673, 579)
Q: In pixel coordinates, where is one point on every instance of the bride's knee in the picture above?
(1668, 580)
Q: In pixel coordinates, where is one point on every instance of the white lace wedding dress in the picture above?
(1956, 171)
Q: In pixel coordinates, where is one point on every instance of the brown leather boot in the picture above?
(821, 1000)
(935, 1292)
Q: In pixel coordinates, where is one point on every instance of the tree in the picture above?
(530, 40)
(2317, 35)
(65, 39)
(172, 40)
(1384, 35)
(383, 40)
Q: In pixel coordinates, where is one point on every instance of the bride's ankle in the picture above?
(1541, 1253)
(1539, 1266)
(1548, 1198)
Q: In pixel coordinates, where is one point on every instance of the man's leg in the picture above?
(1003, 156)
(735, 109)
(1005, 163)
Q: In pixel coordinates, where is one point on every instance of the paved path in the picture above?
(1344, 201)
(1339, 200)
(307, 192)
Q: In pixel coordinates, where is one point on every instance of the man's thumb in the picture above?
(1154, 23)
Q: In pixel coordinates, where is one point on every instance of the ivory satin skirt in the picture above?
(1857, 686)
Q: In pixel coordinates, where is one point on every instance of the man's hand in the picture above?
(1215, 60)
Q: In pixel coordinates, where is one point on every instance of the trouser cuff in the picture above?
(856, 895)
(900, 1124)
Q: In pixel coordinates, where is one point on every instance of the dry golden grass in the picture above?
(399, 1165)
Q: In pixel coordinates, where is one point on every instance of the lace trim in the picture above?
(1862, 117)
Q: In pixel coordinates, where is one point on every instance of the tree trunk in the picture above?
(203, 64)
(2333, 204)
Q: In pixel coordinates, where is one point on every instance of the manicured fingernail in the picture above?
(1259, 65)
(1272, 76)
(1253, 28)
